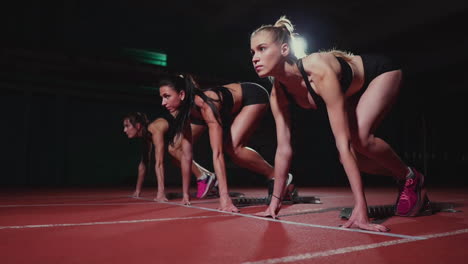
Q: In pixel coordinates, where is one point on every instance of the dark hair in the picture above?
(182, 120)
(138, 118)
(189, 86)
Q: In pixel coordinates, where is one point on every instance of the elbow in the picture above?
(344, 150)
(217, 155)
(284, 152)
(159, 164)
(186, 157)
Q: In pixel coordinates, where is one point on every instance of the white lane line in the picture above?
(296, 223)
(25, 197)
(72, 204)
(345, 250)
(110, 222)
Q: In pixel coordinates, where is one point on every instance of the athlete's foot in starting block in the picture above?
(291, 193)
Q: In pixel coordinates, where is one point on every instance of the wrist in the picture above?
(277, 197)
(360, 204)
(275, 203)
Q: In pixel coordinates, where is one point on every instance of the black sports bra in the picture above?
(226, 108)
(345, 81)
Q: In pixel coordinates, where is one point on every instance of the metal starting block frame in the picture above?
(385, 211)
(249, 201)
(240, 200)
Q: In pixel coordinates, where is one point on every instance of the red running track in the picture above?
(108, 226)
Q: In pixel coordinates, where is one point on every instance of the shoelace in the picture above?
(409, 182)
(404, 195)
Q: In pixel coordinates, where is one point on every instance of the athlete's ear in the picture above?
(285, 49)
(182, 95)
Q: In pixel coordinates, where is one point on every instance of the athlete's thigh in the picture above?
(246, 122)
(376, 101)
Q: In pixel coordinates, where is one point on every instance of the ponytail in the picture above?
(191, 89)
(210, 101)
(282, 32)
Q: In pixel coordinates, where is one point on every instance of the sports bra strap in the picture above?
(314, 95)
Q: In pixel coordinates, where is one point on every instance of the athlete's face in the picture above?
(267, 54)
(130, 130)
(171, 99)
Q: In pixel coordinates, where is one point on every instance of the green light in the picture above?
(150, 57)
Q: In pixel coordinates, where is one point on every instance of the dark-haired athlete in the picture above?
(231, 113)
(157, 134)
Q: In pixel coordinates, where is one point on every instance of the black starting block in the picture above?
(292, 198)
(249, 201)
(385, 211)
(240, 200)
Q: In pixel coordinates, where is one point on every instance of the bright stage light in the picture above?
(299, 47)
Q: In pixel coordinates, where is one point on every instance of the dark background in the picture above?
(65, 83)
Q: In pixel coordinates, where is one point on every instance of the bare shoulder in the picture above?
(233, 86)
(198, 101)
(211, 94)
(320, 64)
(317, 60)
(158, 125)
(201, 103)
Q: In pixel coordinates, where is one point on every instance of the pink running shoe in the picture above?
(410, 200)
(205, 185)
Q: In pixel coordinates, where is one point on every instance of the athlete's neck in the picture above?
(288, 72)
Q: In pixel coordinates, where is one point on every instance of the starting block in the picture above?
(249, 201)
(385, 211)
(294, 198)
